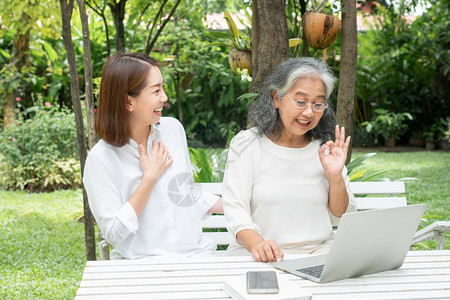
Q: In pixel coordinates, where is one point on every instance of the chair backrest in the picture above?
(368, 195)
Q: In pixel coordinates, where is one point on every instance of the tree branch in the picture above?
(137, 24)
(158, 15)
(158, 33)
(101, 12)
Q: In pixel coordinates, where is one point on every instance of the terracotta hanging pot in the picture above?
(240, 59)
(320, 30)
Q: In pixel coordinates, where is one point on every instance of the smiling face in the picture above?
(146, 108)
(296, 122)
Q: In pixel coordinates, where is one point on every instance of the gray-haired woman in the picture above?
(286, 183)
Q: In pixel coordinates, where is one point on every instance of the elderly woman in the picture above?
(138, 177)
(285, 183)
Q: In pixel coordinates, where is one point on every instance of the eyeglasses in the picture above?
(302, 104)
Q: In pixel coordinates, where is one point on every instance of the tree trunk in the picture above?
(19, 59)
(346, 92)
(118, 12)
(66, 15)
(89, 92)
(305, 48)
(9, 106)
(270, 41)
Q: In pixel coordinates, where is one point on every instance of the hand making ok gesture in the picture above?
(334, 154)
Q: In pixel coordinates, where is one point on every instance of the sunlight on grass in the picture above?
(432, 187)
(42, 247)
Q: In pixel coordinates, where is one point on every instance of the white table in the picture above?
(425, 274)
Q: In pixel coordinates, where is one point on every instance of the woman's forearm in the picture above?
(142, 194)
(248, 238)
(217, 208)
(338, 196)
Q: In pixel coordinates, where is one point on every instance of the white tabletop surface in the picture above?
(424, 275)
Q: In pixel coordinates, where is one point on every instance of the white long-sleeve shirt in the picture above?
(170, 224)
(280, 192)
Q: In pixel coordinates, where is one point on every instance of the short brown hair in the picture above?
(123, 75)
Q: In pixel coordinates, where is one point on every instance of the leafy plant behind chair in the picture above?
(361, 175)
(200, 165)
(209, 171)
(388, 124)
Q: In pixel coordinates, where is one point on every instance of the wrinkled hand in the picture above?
(267, 251)
(157, 162)
(333, 162)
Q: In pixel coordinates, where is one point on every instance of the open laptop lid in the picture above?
(368, 242)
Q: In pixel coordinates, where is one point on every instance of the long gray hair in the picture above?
(265, 117)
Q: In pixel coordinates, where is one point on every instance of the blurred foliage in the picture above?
(40, 153)
(388, 124)
(403, 66)
(213, 169)
(202, 88)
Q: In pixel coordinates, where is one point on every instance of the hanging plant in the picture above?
(320, 30)
(240, 57)
(240, 60)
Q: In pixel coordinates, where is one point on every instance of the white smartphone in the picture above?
(262, 282)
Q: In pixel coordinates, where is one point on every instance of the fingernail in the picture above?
(278, 259)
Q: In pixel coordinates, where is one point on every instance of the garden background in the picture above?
(401, 95)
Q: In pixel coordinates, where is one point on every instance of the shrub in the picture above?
(40, 153)
(362, 138)
(388, 124)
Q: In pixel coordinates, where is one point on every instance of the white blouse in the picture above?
(170, 224)
(280, 192)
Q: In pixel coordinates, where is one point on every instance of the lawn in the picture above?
(42, 245)
(432, 184)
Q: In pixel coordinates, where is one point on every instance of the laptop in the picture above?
(365, 242)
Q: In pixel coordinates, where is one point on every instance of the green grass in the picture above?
(432, 187)
(42, 245)
(42, 252)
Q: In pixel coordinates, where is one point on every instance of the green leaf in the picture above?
(218, 34)
(354, 177)
(374, 175)
(52, 55)
(5, 54)
(250, 96)
(203, 173)
(358, 162)
(294, 42)
(231, 25)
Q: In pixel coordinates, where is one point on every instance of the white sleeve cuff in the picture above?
(206, 202)
(127, 216)
(251, 226)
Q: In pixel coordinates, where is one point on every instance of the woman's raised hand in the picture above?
(334, 154)
(157, 162)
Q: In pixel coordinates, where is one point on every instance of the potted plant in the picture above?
(240, 57)
(241, 42)
(429, 137)
(320, 30)
(388, 124)
(440, 127)
(417, 139)
(447, 135)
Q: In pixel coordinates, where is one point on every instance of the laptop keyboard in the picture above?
(315, 271)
